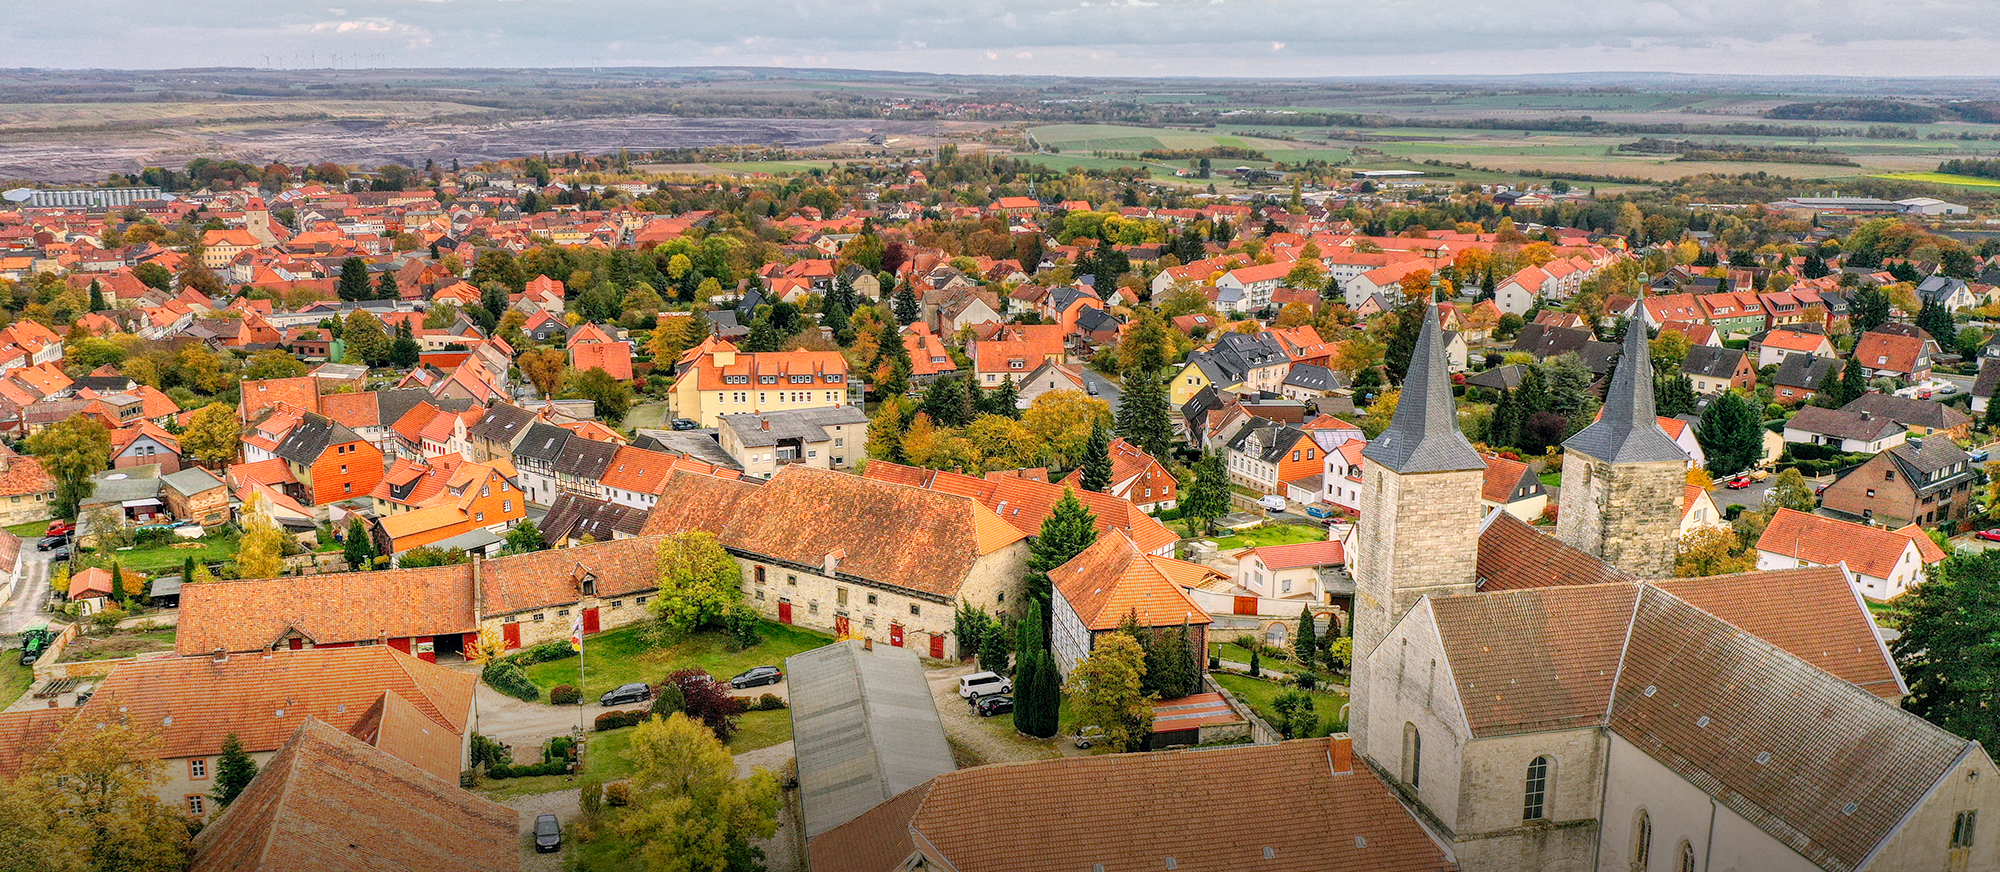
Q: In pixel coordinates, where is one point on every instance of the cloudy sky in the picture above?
(1128, 37)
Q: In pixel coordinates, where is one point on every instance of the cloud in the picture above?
(1136, 37)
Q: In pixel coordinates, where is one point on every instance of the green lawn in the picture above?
(1551, 478)
(648, 416)
(162, 558)
(1943, 179)
(29, 530)
(604, 756)
(629, 654)
(1271, 534)
(14, 678)
(1258, 695)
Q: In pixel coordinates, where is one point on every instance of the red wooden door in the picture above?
(896, 635)
(589, 621)
(937, 647)
(784, 611)
(511, 632)
(402, 644)
(298, 643)
(839, 625)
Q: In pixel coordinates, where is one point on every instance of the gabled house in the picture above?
(1052, 376)
(1311, 573)
(1901, 355)
(1801, 375)
(1136, 477)
(1882, 563)
(1922, 481)
(1266, 455)
(1112, 581)
(330, 461)
(1714, 370)
(1843, 430)
(1512, 485)
(1237, 363)
(830, 437)
(472, 496)
(574, 520)
(1777, 345)
(1921, 417)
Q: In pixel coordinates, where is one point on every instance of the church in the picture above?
(1561, 703)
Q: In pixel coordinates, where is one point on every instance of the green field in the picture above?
(631, 654)
(1270, 534)
(1943, 179)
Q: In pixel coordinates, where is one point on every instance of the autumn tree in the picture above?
(261, 553)
(544, 368)
(70, 452)
(612, 398)
(273, 364)
(1706, 551)
(526, 538)
(212, 435)
(689, 812)
(698, 581)
(1062, 421)
(885, 431)
(1104, 690)
(92, 792)
(1790, 491)
(367, 341)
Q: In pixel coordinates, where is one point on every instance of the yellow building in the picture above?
(727, 381)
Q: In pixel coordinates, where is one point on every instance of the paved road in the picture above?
(1752, 496)
(27, 595)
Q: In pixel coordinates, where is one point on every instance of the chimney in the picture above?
(764, 424)
(221, 654)
(1340, 754)
(867, 643)
(831, 562)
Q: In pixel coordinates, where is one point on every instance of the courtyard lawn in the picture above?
(604, 755)
(1270, 534)
(761, 730)
(166, 557)
(633, 653)
(15, 679)
(120, 644)
(1258, 694)
(29, 530)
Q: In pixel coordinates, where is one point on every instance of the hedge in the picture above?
(767, 702)
(564, 694)
(619, 720)
(507, 677)
(543, 653)
(559, 767)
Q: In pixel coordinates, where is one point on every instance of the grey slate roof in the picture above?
(1498, 378)
(1989, 377)
(864, 727)
(1806, 370)
(1712, 362)
(585, 458)
(1424, 434)
(698, 444)
(309, 439)
(1312, 378)
(1908, 411)
(1939, 289)
(191, 481)
(1268, 439)
(1629, 430)
(1932, 463)
(502, 422)
(808, 424)
(544, 442)
(575, 517)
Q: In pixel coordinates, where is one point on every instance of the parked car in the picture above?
(1738, 483)
(548, 834)
(1273, 503)
(60, 528)
(1087, 736)
(637, 691)
(685, 424)
(989, 706)
(757, 675)
(1988, 535)
(980, 684)
(1978, 456)
(48, 542)
(1319, 511)
(63, 552)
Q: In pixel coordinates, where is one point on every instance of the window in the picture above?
(539, 616)
(871, 599)
(1888, 475)
(868, 621)
(813, 607)
(1533, 806)
(1871, 492)
(198, 767)
(506, 505)
(343, 469)
(1642, 842)
(840, 595)
(916, 609)
(1962, 830)
(479, 517)
(348, 487)
(760, 593)
(196, 804)
(1687, 858)
(640, 600)
(759, 573)
(792, 580)
(562, 613)
(617, 604)
(1413, 755)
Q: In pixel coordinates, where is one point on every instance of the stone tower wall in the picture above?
(1628, 515)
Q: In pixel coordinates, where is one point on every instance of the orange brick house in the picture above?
(473, 496)
(330, 461)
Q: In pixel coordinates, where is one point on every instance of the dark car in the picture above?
(989, 706)
(637, 691)
(48, 542)
(757, 675)
(548, 834)
(63, 552)
(685, 424)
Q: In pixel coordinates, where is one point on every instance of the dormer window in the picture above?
(589, 584)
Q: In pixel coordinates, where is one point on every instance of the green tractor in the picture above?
(35, 640)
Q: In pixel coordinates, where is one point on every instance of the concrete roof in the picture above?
(864, 727)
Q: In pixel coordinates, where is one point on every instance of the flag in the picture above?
(576, 635)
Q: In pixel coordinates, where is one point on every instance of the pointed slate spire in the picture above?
(1424, 434)
(1629, 430)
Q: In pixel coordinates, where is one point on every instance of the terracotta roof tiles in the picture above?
(1112, 579)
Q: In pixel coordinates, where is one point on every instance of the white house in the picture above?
(1850, 432)
(1881, 563)
(1289, 572)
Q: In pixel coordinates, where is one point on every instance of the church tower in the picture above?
(1623, 479)
(1419, 528)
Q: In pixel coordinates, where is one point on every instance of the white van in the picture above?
(980, 684)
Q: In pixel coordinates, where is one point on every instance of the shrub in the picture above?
(705, 700)
(543, 653)
(561, 748)
(592, 798)
(107, 620)
(768, 702)
(668, 701)
(564, 694)
(487, 751)
(618, 720)
(618, 794)
(500, 770)
(1306, 680)
(507, 677)
(740, 622)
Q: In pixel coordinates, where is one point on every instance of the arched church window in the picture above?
(1687, 857)
(1642, 842)
(1413, 755)
(1535, 804)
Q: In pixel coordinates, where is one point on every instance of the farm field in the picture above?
(41, 116)
(1943, 179)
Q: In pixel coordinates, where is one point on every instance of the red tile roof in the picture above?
(1112, 579)
(1829, 541)
(1299, 555)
